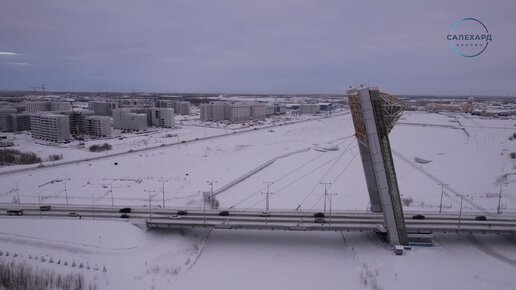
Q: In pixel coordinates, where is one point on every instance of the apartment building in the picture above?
(102, 108)
(258, 111)
(98, 126)
(214, 111)
(162, 117)
(182, 108)
(124, 119)
(20, 122)
(6, 119)
(50, 127)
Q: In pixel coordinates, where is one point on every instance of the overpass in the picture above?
(339, 221)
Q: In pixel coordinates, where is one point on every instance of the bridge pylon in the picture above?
(374, 115)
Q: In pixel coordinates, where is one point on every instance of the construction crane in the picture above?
(35, 88)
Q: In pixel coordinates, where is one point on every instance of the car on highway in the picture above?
(182, 212)
(319, 217)
(224, 213)
(73, 214)
(124, 216)
(15, 212)
(480, 218)
(45, 208)
(125, 210)
(175, 217)
(265, 214)
(418, 217)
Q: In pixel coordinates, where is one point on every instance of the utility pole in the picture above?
(325, 193)
(267, 198)
(499, 199)
(210, 182)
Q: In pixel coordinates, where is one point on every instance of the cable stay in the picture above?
(440, 182)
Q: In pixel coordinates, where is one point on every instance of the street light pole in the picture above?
(460, 212)
(39, 201)
(163, 191)
(111, 189)
(18, 193)
(442, 193)
(93, 204)
(267, 198)
(66, 193)
(331, 195)
(325, 193)
(499, 199)
(210, 182)
(150, 202)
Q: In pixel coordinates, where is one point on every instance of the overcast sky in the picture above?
(262, 46)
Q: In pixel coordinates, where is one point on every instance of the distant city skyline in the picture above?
(265, 47)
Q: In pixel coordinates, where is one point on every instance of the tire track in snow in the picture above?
(492, 253)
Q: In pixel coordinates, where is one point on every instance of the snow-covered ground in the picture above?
(474, 161)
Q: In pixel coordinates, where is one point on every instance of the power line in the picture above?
(288, 174)
(327, 172)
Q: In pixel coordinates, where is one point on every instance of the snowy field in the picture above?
(471, 156)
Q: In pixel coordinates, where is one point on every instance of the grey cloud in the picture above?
(253, 46)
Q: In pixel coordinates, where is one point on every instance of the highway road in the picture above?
(277, 220)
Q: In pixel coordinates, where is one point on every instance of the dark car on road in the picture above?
(418, 217)
(182, 212)
(224, 213)
(125, 210)
(319, 217)
(481, 218)
(124, 216)
(44, 208)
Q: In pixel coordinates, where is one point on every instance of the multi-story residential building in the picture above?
(76, 120)
(258, 111)
(124, 119)
(162, 117)
(50, 127)
(234, 112)
(20, 122)
(37, 106)
(238, 112)
(102, 108)
(182, 108)
(164, 103)
(60, 106)
(146, 111)
(6, 119)
(270, 110)
(99, 126)
(214, 111)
